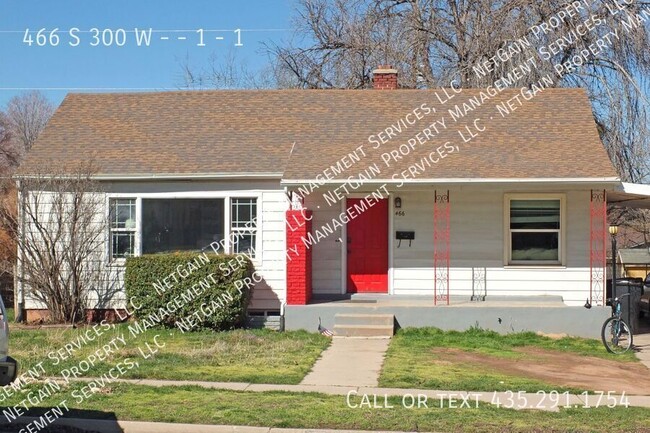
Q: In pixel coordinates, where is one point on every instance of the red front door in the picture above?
(368, 249)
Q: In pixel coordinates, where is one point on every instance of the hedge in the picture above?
(206, 290)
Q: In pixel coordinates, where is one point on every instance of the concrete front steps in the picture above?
(364, 325)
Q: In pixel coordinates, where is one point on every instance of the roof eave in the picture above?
(175, 176)
(563, 180)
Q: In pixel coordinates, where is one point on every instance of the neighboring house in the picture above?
(635, 262)
(433, 194)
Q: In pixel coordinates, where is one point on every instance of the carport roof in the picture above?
(633, 195)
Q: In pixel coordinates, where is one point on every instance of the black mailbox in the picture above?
(405, 236)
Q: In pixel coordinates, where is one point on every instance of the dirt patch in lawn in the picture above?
(560, 368)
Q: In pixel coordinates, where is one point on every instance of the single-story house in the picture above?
(635, 262)
(355, 197)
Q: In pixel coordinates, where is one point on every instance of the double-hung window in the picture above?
(243, 225)
(122, 228)
(535, 230)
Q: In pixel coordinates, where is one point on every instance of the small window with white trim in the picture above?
(535, 230)
(243, 225)
(122, 228)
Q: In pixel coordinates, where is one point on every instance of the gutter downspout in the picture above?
(282, 308)
(21, 316)
(287, 194)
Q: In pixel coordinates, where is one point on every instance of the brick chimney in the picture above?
(384, 78)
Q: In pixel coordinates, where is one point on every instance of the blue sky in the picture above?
(130, 66)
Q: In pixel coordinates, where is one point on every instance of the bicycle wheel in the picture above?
(616, 335)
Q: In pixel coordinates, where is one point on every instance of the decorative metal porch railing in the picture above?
(597, 246)
(441, 229)
(479, 284)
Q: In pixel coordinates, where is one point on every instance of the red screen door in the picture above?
(368, 249)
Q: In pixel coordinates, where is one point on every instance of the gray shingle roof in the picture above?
(634, 256)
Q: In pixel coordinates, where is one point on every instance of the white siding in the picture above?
(270, 263)
(41, 203)
(476, 241)
(270, 293)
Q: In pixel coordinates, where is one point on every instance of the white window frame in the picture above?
(225, 195)
(111, 230)
(507, 250)
(252, 230)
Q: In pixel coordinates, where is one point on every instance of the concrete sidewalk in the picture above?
(116, 426)
(532, 400)
(349, 362)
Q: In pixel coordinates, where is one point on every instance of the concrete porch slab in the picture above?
(546, 314)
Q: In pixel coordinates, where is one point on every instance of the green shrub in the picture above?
(189, 290)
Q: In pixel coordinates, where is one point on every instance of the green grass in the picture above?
(411, 359)
(314, 411)
(258, 356)
(10, 315)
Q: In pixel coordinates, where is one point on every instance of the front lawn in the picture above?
(479, 360)
(189, 404)
(258, 356)
(10, 315)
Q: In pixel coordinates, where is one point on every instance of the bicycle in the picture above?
(616, 333)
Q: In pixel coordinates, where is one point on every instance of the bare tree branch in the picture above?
(337, 43)
(60, 231)
(27, 115)
(223, 72)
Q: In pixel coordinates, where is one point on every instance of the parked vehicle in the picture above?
(644, 303)
(8, 365)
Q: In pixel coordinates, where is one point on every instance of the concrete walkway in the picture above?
(349, 362)
(642, 344)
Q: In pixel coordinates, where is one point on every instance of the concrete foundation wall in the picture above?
(574, 321)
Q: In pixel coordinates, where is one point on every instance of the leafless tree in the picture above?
(7, 243)
(27, 115)
(60, 230)
(22, 123)
(10, 152)
(337, 43)
(225, 71)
